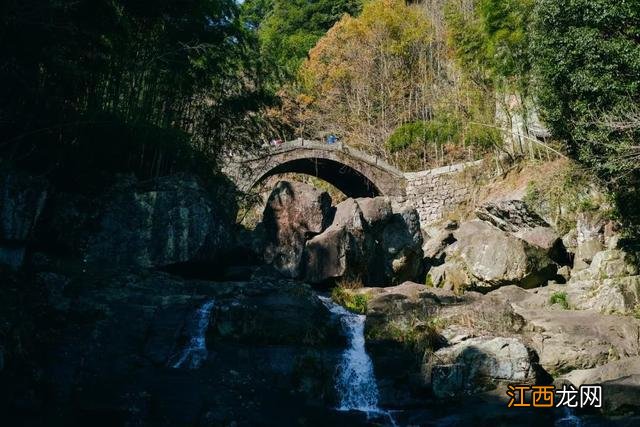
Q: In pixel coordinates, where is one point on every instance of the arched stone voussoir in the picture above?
(355, 173)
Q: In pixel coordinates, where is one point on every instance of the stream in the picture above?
(195, 351)
(355, 380)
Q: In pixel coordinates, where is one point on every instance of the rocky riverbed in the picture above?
(146, 306)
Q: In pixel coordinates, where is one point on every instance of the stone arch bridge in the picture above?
(432, 192)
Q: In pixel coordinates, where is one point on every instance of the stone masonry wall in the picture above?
(435, 192)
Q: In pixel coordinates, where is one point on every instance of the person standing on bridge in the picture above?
(332, 139)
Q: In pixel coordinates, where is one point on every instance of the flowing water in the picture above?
(195, 351)
(355, 381)
(568, 419)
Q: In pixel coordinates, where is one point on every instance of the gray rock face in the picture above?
(172, 220)
(452, 276)
(22, 200)
(585, 252)
(485, 257)
(402, 247)
(515, 217)
(589, 226)
(620, 382)
(369, 241)
(611, 284)
(376, 211)
(509, 244)
(434, 247)
(589, 238)
(575, 339)
(331, 255)
(570, 240)
(510, 215)
(607, 372)
(478, 364)
(294, 213)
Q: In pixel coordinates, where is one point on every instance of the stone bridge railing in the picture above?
(337, 147)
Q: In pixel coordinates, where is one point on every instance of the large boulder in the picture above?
(376, 211)
(484, 257)
(510, 215)
(168, 221)
(585, 252)
(515, 217)
(620, 381)
(589, 238)
(579, 339)
(434, 246)
(369, 241)
(332, 255)
(22, 200)
(401, 248)
(452, 275)
(294, 213)
(479, 364)
(611, 284)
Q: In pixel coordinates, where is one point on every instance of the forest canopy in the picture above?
(157, 87)
(124, 85)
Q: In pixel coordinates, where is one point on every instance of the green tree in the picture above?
(587, 73)
(381, 82)
(492, 41)
(288, 29)
(140, 71)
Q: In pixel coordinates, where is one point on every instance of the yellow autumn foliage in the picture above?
(371, 74)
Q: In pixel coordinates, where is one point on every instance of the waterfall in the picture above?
(195, 351)
(356, 384)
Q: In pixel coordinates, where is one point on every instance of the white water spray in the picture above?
(195, 352)
(355, 383)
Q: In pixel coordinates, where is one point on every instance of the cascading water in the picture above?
(195, 351)
(356, 384)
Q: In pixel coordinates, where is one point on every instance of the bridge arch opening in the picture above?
(345, 178)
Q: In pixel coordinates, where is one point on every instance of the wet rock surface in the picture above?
(429, 343)
(270, 343)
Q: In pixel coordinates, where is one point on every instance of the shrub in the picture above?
(438, 131)
(559, 298)
(428, 282)
(560, 194)
(343, 294)
(416, 335)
